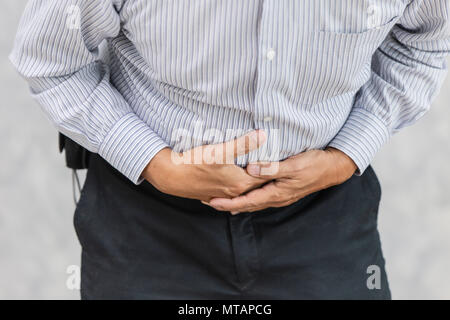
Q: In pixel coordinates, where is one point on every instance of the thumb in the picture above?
(243, 145)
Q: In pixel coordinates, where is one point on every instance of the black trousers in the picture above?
(138, 243)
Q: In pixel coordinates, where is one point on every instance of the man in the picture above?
(232, 139)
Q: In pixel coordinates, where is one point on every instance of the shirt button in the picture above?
(271, 54)
(268, 119)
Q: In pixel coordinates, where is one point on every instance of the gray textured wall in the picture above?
(37, 241)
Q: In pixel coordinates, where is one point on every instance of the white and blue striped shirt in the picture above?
(340, 73)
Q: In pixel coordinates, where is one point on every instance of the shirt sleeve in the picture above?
(408, 70)
(57, 51)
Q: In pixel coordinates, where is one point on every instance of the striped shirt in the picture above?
(311, 73)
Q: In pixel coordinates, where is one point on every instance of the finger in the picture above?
(254, 209)
(269, 205)
(257, 198)
(242, 145)
(284, 204)
(271, 170)
(225, 153)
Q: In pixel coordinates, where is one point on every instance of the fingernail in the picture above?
(234, 212)
(254, 169)
(257, 136)
(253, 136)
(262, 136)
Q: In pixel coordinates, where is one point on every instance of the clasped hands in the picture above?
(217, 182)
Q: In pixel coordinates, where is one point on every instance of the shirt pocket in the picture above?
(338, 64)
(358, 16)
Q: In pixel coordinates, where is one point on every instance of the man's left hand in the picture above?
(295, 178)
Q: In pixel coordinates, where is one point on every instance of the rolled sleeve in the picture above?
(72, 84)
(130, 146)
(362, 135)
(408, 70)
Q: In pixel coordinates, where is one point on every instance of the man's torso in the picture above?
(195, 69)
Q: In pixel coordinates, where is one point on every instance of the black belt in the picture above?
(77, 157)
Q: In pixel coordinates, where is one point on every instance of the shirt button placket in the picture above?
(262, 115)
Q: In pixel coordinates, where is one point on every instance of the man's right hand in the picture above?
(216, 176)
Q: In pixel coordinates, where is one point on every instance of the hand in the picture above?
(296, 178)
(205, 172)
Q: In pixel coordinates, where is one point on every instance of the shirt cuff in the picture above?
(362, 135)
(130, 146)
